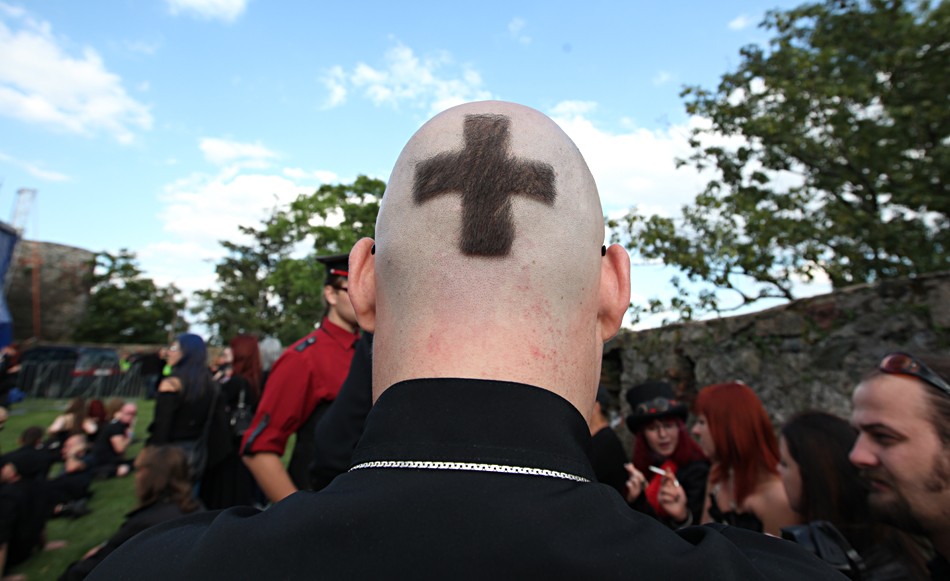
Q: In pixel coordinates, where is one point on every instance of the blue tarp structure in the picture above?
(8, 242)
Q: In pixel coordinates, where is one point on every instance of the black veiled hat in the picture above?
(653, 400)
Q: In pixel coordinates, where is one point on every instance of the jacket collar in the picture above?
(477, 421)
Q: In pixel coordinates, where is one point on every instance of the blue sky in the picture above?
(161, 125)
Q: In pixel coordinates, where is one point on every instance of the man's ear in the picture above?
(362, 283)
(614, 290)
(328, 296)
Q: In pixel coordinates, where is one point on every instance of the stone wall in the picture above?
(806, 354)
(64, 289)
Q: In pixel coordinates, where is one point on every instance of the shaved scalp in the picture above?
(487, 178)
(488, 254)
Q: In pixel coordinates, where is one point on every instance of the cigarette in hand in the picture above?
(656, 470)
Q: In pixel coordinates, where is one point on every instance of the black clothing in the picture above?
(103, 457)
(178, 418)
(31, 463)
(339, 430)
(151, 364)
(939, 568)
(743, 520)
(68, 487)
(692, 477)
(229, 483)
(23, 514)
(607, 457)
(465, 523)
(136, 521)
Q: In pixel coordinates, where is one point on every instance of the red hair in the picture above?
(247, 361)
(742, 434)
(687, 450)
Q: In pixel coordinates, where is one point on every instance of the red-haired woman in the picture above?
(663, 445)
(230, 483)
(736, 434)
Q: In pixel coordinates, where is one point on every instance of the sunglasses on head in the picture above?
(904, 364)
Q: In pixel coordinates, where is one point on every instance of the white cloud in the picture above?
(635, 166)
(407, 79)
(225, 151)
(515, 28)
(740, 22)
(662, 78)
(142, 47)
(40, 83)
(573, 108)
(34, 170)
(226, 10)
(335, 82)
(199, 210)
(297, 173)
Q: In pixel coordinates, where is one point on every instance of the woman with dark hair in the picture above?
(230, 483)
(163, 490)
(185, 399)
(662, 445)
(823, 485)
(735, 433)
(72, 421)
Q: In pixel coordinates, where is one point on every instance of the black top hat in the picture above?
(653, 400)
(336, 264)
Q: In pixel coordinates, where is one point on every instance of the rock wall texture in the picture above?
(806, 354)
(64, 289)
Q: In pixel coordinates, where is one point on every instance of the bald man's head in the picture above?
(490, 231)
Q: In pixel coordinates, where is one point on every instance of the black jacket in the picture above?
(135, 522)
(499, 489)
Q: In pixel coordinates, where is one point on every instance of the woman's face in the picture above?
(791, 475)
(662, 436)
(174, 354)
(702, 435)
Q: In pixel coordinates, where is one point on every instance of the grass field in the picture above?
(111, 499)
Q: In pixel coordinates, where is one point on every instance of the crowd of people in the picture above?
(803, 485)
(447, 412)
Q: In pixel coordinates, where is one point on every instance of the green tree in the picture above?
(125, 307)
(269, 286)
(830, 155)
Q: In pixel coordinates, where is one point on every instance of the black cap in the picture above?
(336, 264)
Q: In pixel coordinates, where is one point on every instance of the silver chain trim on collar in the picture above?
(470, 466)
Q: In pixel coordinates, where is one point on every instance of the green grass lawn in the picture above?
(111, 499)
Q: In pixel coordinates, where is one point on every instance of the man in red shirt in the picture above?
(301, 385)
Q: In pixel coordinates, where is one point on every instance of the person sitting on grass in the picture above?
(163, 490)
(31, 446)
(69, 491)
(23, 509)
(114, 438)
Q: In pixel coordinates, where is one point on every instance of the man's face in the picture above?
(900, 454)
(339, 299)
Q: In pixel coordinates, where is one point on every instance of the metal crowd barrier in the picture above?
(57, 380)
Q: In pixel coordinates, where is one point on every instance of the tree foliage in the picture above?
(830, 149)
(273, 284)
(125, 307)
